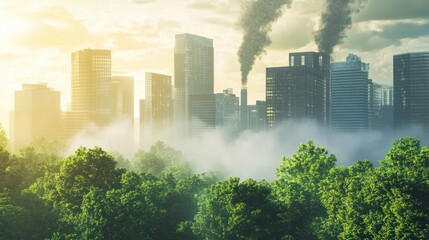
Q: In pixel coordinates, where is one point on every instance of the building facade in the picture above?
(227, 111)
(257, 116)
(411, 89)
(37, 114)
(123, 97)
(349, 95)
(300, 91)
(193, 75)
(158, 107)
(202, 109)
(91, 84)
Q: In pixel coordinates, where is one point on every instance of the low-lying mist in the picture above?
(255, 154)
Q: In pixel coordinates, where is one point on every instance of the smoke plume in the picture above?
(336, 19)
(256, 21)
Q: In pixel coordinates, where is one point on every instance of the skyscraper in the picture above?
(193, 75)
(374, 104)
(299, 91)
(349, 95)
(158, 107)
(92, 84)
(257, 116)
(411, 89)
(36, 114)
(227, 111)
(123, 97)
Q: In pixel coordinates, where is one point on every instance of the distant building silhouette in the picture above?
(300, 91)
(157, 108)
(36, 115)
(349, 95)
(374, 105)
(380, 108)
(411, 89)
(227, 111)
(193, 75)
(386, 115)
(123, 97)
(257, 116)
(244, 110)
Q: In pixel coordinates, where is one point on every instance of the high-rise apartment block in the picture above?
(36, 114)
(299, 91)
(193, 75)
(411, 89)
(349, 95)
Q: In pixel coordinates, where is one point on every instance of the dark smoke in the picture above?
(336, 19)
(256, 21)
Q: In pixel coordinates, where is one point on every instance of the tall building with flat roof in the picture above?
(299, 91)
(92, 84)
(36, 114)
(158, 107)
(193, 75)
(411, 89)
(123, 97)
(349, 95)
(257, 116)
(227, 111)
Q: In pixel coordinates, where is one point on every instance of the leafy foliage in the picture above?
(88, 196)
(161, 160)
(4, 141)
(238, 210)
(297, 187)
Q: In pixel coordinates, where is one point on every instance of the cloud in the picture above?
(220, 21)
(144, 1)
(387, 35)
(125, 41)
(202, 5)
(292, 33)
(394, 9)
(229, 7)
(54, 27)
(257, 154)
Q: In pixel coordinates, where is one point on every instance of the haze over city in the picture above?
(214, 119)
(39, 36)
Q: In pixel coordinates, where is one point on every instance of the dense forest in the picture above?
(93, 194)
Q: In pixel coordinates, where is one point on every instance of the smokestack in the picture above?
(256, 21)
(243, 109)
(336, 19)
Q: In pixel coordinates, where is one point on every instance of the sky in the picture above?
(37, 38)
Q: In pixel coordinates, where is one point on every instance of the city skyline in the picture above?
(40, 36)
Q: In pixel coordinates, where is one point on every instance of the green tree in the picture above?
(64, 190)
(237, 210)
(11, 218)
(398, 193)
(297, 187)
(4, 168)
(135, 210)
(4, 141)
(343, 197)
(161, 160)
